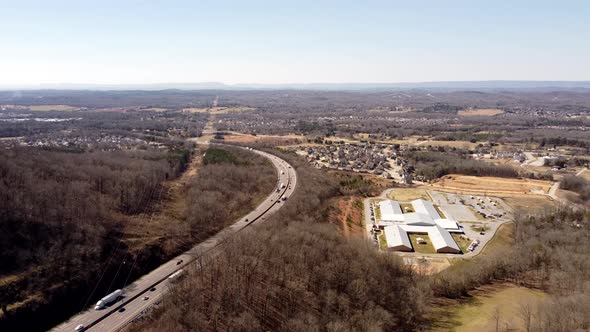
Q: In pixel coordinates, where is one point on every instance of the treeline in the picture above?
(576, 184)
(430, 165)
(63, 221)
(60, 217)
(133, 123)
(231, 183)
(296, 273)
(551, 252)
(50, 201)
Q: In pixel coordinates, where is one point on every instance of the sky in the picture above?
(363, 41)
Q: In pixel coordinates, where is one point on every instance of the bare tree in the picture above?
(525, 312)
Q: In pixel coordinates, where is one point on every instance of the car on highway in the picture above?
(145, 298)
(180, 260)
(80, 327)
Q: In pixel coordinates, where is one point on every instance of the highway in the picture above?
(147, 290)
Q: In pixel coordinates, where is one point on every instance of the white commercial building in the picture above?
(397, 238)
(425, 220)
(391, 211)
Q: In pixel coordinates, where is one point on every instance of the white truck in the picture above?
(175, 274)
(108, 299)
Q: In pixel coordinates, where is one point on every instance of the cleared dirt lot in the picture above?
(45, 108)
(481, 112)
(530, 203)
(490, 185)
(218, 110)
(427, 265)
(408, 194)
(281, 140)
(347, 213)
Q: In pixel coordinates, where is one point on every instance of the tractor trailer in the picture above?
(108, 299)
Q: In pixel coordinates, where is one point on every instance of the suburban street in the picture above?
(146, 291)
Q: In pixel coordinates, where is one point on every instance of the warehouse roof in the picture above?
(397, 238)
(391, 211)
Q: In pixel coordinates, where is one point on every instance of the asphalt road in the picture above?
(147, 290)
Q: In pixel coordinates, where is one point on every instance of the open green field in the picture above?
(377, 210)
(488, 305)
(427, 248)
(407, 207)
(461, 241)
(503, 238)
(440, 213)
(408, 194)
(382, 241)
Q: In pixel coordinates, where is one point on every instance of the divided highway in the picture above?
(148, 290)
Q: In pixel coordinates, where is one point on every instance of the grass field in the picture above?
(382, 241)
(427, 265)
(481, 112)
(503, 238)
(408, 194)
(440, 213)
(530, 203)
(427, 248)
(478, 314)
(491, 185)
(45, 108)
(377, 212)
(407, 207)
(461, 241)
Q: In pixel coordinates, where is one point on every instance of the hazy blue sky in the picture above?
(292, 41)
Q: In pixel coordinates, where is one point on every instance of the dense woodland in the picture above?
(550, 252)
(63, 217)
(577, 184)
(61, 214)
(295, 273)
(231, 182)
(133, 122)
(64, 208)
(306, 277)
(431, 165)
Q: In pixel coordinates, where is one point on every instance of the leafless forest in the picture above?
(117, 178)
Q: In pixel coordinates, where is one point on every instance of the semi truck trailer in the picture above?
(108, 299)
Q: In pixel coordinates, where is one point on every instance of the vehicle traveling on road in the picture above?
(108, 299)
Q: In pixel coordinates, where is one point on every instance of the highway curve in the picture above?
(148, 290)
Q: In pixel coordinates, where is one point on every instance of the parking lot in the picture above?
(469, 210)
(461, 206)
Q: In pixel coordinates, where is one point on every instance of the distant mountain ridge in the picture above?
(442, 85)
